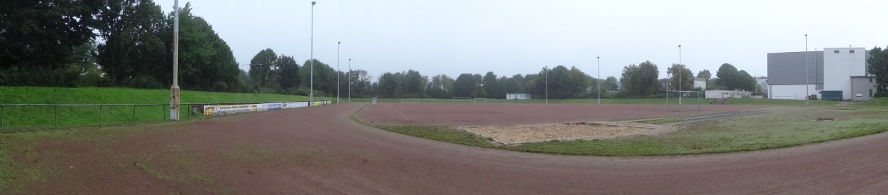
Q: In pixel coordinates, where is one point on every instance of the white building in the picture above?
(794, 75)
(841, 64)
(699, 83)
(517, 96)
(727, 94)
(763, 83)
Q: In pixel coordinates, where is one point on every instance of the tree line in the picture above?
(126, 43)
(273, 73)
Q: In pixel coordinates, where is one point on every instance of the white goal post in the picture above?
(684, 100)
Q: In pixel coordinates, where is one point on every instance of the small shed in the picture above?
(517, 96)
(831, 95)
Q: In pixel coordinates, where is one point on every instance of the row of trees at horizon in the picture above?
(640, 80)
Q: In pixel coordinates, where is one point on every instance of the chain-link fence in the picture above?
(15, 117)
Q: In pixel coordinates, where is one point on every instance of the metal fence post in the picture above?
(56, 115)
(101, 118)
(134, 114)
(1, 117)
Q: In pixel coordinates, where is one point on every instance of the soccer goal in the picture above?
(428, 100)
(461, 99)
(483, 100)
(680, 101)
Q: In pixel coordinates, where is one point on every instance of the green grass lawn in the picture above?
(43, 116)
(778, 127)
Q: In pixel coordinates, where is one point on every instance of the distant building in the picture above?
(795, 75)
(699, 83)
(517, 96)
(762, 82)
(863, 87)
(727, 94)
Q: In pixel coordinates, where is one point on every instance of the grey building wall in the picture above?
(789, 68)
(865, 85)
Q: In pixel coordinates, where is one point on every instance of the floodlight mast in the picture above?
(547, 83)
(174, 90)
(337, 71)
(349, 80)
(680, 69)
(311, 59)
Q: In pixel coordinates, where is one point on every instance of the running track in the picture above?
(352, 158)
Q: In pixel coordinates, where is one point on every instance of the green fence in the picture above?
(23, 116)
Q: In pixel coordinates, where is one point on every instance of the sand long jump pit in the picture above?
(518, 134)
(517, 123)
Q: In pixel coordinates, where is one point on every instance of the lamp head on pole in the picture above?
(312, 3)
(679, 45)
(339, 42)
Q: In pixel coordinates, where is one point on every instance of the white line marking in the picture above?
(399, 112)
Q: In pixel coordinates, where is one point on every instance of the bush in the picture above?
(39, 76)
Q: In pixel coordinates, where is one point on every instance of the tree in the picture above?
(465, 85)
(562, 83)
(574, 83)
(492, 86)
(413, 84)
(640, 80)
(731, 79)
(263, 67)
(610, 84)
(324, 77)
(134, 34)
(205, 60)
(388, 85)
(745, 81)
(84, 59)
(514, 84)
(288, 72)
(704, 74)
(726, 74)
(878, 66)
(441, 86)
(37, 39)
(247, 83)
(686, 75)
(361, 85)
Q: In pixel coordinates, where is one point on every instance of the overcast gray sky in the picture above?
(520, 37)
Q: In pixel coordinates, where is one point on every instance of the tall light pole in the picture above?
(349, 80)
(311, 60)
(337, 71)
(680, 69)
(599, 79)
(547, 83)
(807, 82)
(174, 90)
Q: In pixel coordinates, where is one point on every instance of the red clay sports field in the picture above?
(320, 150)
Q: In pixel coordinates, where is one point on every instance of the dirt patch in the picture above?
(517, 134)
